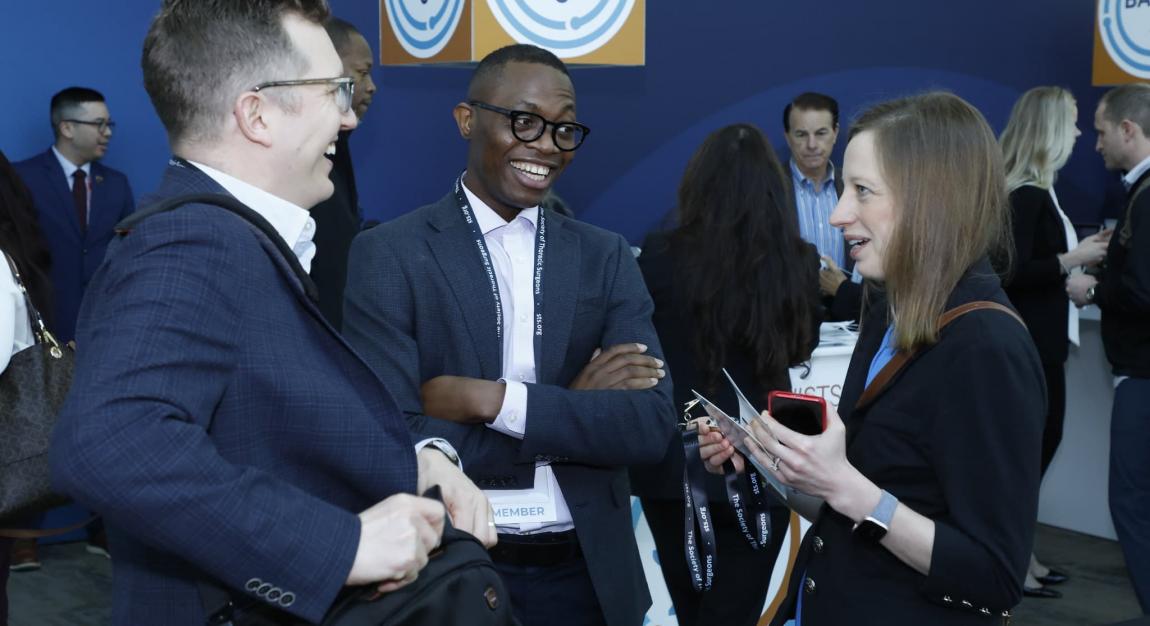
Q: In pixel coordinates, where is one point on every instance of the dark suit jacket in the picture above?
(846, 304)
(1123, 293)
(223, 429)
(1036, 285)
(337, 221)
(75, 253)
(956, 438)
(419, 305)
(672, 319)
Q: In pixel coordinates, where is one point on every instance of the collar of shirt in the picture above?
(800, 178)
(489, 220)
(293, 224)
(1135, 173)
(70, 167)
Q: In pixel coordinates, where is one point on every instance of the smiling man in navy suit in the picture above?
(524, 338)
(79, 199)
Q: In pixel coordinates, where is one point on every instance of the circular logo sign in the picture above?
(569, 28)
(423, 27)
(1125, 29)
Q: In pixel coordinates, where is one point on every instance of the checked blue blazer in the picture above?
(225, 431)
(418, 304)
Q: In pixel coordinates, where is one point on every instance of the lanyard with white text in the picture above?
(697, 523)
(489, 268)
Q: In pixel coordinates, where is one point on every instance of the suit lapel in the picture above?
(63, 191)
(455, 252)
(561, 263)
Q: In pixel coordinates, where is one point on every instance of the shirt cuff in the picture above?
(443, 446)
(512, 418)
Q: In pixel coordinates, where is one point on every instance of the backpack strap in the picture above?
(228, 203)
(902, 358)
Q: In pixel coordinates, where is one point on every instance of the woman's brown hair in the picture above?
(944, 167)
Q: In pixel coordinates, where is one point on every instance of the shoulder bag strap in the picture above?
(900, 359)
(39, 332)
(233, 205)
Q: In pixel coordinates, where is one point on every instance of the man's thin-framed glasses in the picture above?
(101, 125)
(345, 88)
(528, 127)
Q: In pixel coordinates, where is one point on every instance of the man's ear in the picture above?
(251, 111)
(464, 118)
(66, 130)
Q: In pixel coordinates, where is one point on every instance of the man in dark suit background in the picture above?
(79, 201)
(77, 222)
(230, 436)
(1122, 121)
(338, 219)
(811, 127)
(525, 339)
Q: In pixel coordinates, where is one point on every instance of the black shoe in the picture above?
(1053, 577)
(1040, 592)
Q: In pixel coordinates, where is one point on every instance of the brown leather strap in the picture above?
(900, 359)
(36, 533)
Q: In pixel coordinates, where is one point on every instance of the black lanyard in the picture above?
(747, 496)
(695, 506)
(489, 268)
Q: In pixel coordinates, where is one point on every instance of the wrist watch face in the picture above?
(871, 530)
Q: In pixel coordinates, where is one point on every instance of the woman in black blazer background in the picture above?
(734, 286)
(1036, 143)
(930, 480)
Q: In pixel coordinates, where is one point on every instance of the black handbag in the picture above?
(458, 587)
(32, 389)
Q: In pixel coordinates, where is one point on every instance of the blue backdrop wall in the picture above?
(708, 64)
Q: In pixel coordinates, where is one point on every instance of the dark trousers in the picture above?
(5, 557)
(1055, 373)
(555, 595)
(742, 575)
(1130, 480)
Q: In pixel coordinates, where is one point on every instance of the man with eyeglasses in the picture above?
(525, 339)
(249, 462)
(78, 201)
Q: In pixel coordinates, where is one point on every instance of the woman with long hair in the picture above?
(1036, 143)
(930, 477)
(735, 287)
(20, 239)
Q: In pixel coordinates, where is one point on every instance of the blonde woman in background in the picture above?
(1036, 144)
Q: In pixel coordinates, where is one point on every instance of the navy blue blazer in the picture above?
(75, 253)
(220, 425)
(419, 305)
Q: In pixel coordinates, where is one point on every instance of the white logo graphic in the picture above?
(1125, 29)
(569, 28)
(423, 27)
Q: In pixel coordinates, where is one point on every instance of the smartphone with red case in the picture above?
(798, 412)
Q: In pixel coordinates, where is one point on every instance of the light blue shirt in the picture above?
(815, 205)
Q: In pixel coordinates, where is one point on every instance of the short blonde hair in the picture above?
(1038, 138)
(942, 164)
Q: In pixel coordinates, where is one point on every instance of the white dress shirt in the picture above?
(512, 249)
(294, 224)
(15, 329)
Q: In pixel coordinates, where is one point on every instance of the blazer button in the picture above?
(947, 600)
(817, 543)
(967, 605)
(274, 595)
(253, 584)
(809, 584)
(264, 589)
(287, 599)
(984, 611)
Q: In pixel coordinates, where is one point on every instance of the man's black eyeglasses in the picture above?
(345, 88)
(528, 127)
(101, 125)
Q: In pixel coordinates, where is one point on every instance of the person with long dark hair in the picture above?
(930, 476)
(20, 239)
(735, 287)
